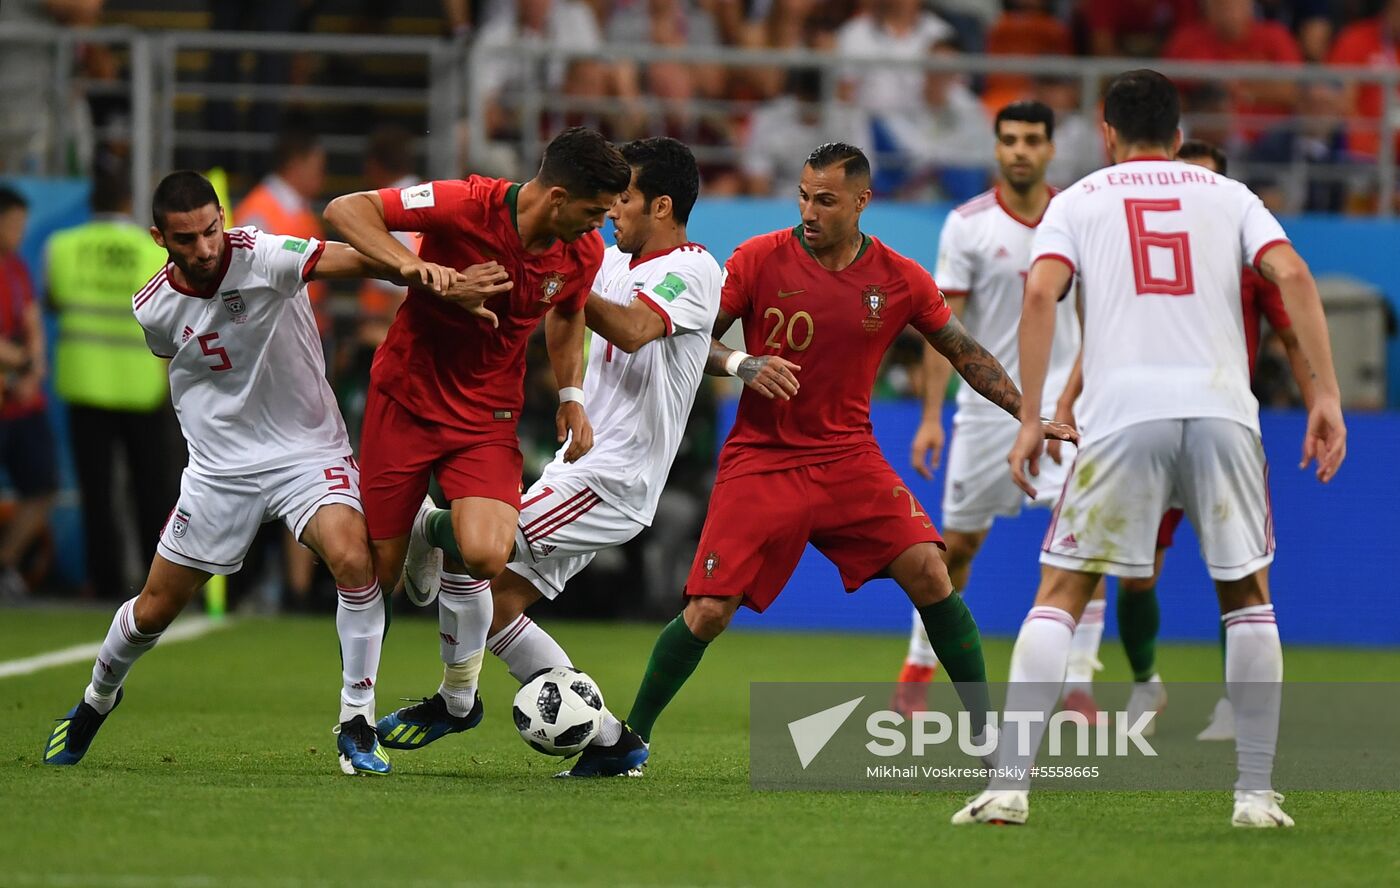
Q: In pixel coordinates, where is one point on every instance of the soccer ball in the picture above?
(558, 711)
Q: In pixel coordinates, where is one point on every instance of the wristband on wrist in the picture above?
(571, 393)
(731, 363)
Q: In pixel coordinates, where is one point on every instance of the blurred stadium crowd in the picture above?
(929, 134)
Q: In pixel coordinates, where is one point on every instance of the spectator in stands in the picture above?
(709, 131)
(388, 164)
(1302, 165)
(789, 24)
(891, 29)
(1137, 28)
(499, 77)
(1373, 42)
(674, 23)
(1079, 148)
(784, 130)
(1310, 21)
(946, 141)
(1230, 32)
(26, 441)
(1026, 28)
(28, 106)
(116, 390)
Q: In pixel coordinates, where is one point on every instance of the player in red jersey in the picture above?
(446, 388)
(804, 466)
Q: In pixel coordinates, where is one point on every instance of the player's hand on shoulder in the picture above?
(572, 423)
(770, 376)
(926, 452)
(1326, 438)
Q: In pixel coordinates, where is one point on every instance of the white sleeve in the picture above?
(685, 294)
(1054, 237)
(1259, 230)
(287, 261)
(157, 341)
(956, 263)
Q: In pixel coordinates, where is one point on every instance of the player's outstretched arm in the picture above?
(1047, 281)
(629, 327)
(769, 375)
(563, 336)
(359, 217)
(978, 367)
(1326, 437)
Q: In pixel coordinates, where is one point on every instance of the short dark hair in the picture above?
(583, 163)
(1143, 106)
(10, 199)
(853, 161)
(111, 191)
(391, 147)
(293, 143)
(181, 192)
(665, 167)
(1027, 112)
(1197, 148)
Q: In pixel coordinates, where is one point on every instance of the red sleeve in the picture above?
(1269, 299)
(311, 260)
(1350, 48)
(431, 206)
(931, 311)
(735, 298)
(590, 260)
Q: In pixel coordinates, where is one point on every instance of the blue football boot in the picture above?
(414, 727)
(72, 735)
(360, 752)
(625, 758)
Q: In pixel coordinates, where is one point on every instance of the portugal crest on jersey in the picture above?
(711, 564)
(551, 286)
(873, 298)
(234, 304)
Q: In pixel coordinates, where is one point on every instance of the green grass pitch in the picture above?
(219, 770)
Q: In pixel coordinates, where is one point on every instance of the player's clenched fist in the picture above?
(770, 376)
(572, 422)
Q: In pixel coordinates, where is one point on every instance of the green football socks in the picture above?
(1138, 621)
(674, 657)
(953, 634)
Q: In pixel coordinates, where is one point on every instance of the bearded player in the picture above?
(821, 303)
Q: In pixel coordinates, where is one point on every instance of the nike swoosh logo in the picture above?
(783, 294)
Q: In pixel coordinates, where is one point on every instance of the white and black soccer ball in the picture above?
(558, 711)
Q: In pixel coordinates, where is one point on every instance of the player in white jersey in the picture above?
(1167, 414)
(984, 252)
(652, 308)
(266, 441)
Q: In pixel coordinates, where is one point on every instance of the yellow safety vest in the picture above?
(102, 359)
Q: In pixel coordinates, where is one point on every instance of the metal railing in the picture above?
(160, 75)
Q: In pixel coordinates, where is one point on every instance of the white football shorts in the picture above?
(978, 489)
(215, 519)
(1119, 486)
(563, 524)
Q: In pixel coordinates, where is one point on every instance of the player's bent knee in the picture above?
(1136, 585)
(707, 616)
(483, 565)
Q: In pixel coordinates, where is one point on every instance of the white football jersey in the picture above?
(1158, 247)
(639, 403)
(984, 252)
(247, 375)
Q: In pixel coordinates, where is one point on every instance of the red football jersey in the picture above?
(448, 366)
(837, 325)
(1259, 297)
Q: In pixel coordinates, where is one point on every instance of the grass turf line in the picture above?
(219, 770)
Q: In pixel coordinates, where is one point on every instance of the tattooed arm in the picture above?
(977, 366)
(769, 375)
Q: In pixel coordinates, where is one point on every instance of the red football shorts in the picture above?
(399, 452)
(1166, 531)
(855, 510)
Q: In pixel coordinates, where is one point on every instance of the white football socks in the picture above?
(1037, 672)
(464, 620)
(1084, 648)
(1254, 682)
(526, 648)
(920, 651)
(359, 622)
(121, 648)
